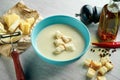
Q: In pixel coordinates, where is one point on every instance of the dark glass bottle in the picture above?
(109, 21)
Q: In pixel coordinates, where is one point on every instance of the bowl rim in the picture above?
(77, 57)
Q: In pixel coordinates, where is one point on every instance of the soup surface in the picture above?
(45, 42)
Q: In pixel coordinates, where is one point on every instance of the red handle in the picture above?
(18, 68)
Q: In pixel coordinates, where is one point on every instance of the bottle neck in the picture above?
(114, 6)
(114, 2)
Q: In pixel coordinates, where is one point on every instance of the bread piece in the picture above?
(105, 59)
(109, 65)
(102, 70)
(58, 35)
(95, 65)
(59, 49)
(66, 39)
(101, 78)
(69, 47)
(87, 62)
(58, 42)
(91, 73)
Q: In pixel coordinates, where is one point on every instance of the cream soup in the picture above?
(45, 42)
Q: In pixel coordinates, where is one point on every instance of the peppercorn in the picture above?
(101, 55)
(93, 50)
(102, 50)
(114, 50)
(109, 54)
(99, 49)
(107, 49)
(104, 54)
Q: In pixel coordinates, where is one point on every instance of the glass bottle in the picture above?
(109, 21)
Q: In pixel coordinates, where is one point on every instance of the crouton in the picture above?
(102, 70)
(95, 65)
(69, 47)
(58, 35)
(87, 62)
(109, 65)
(58, 42)
(101, 78)
(59, 49)
(91, 73)
(66, 39)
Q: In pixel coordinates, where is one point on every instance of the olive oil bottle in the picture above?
(109, 21)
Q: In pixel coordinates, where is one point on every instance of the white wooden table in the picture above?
(35, 68)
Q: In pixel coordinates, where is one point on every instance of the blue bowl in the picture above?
(60, 19)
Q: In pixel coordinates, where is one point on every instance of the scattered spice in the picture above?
(114, 50)
(101, 55)
(104, 54)
(99, 50)
(102, 50)
(107, 49)
(109, 54)
(110, 62)
(91, 49)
